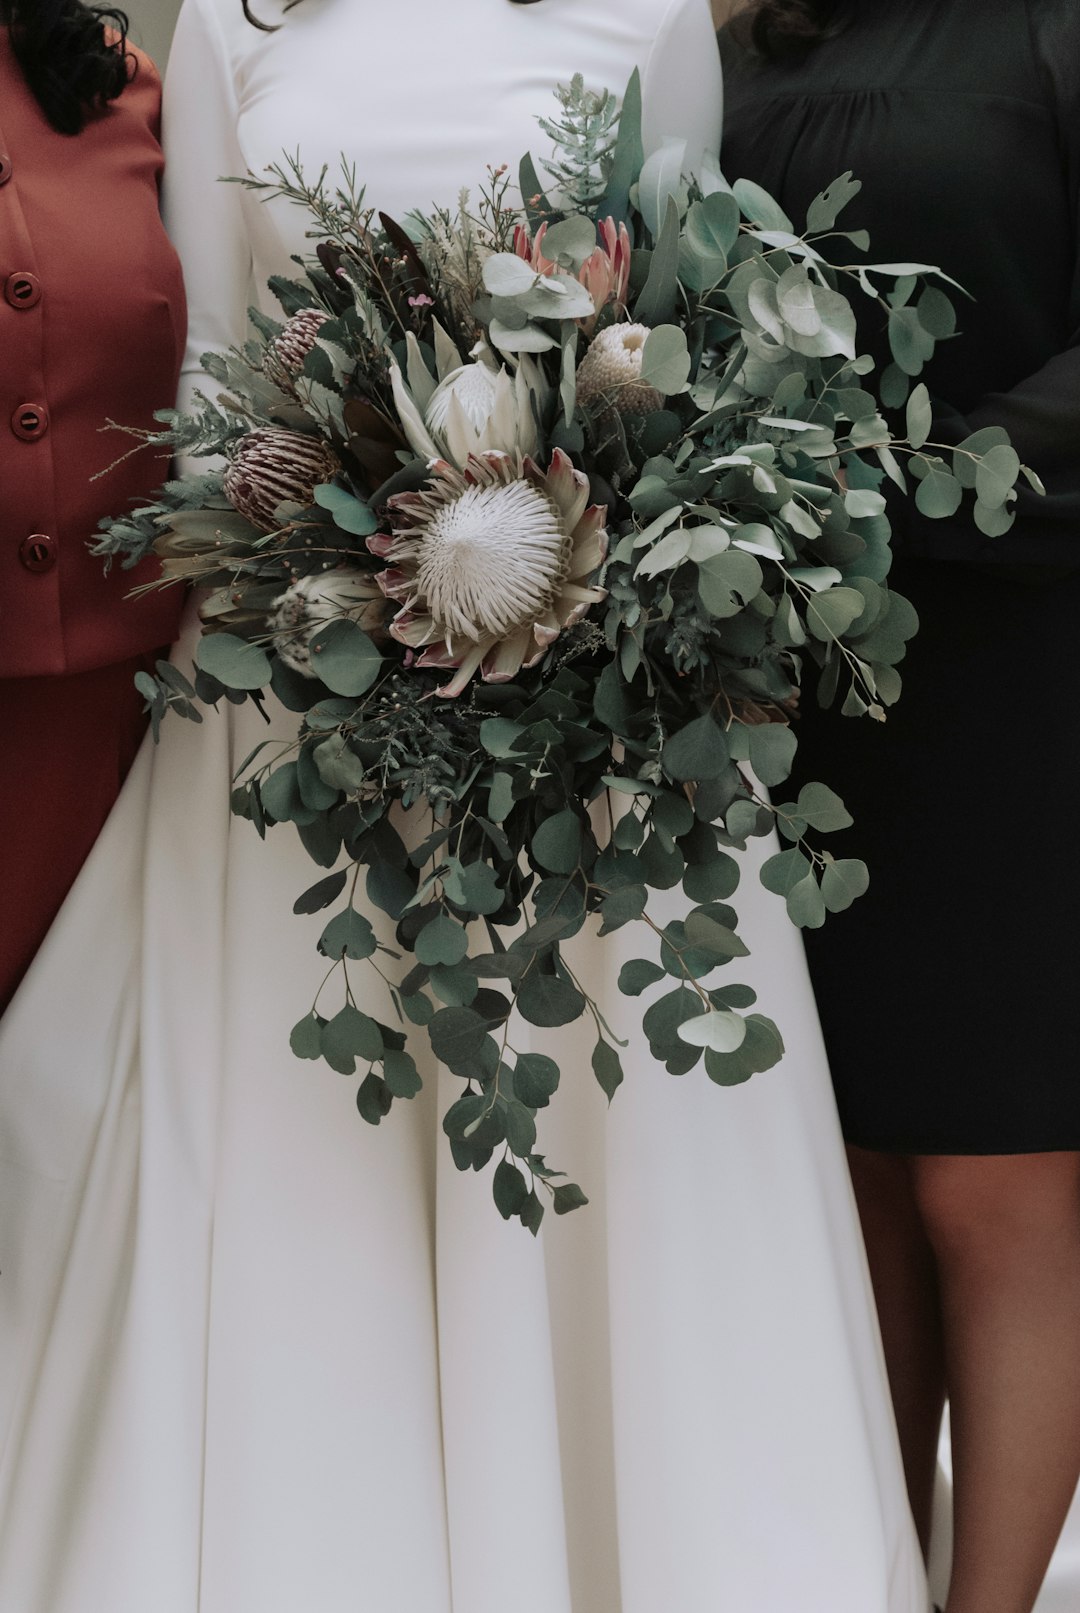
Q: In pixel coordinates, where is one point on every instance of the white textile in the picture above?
(256, 1357)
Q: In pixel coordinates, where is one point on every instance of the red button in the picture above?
(5, 169)
(38, 552)
(22, 290)
(30, 421)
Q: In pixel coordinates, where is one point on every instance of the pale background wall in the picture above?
(152, 25)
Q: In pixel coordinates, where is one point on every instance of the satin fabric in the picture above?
(259, 1357)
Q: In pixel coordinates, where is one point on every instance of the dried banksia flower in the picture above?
(271, 467)
(284, 358)
(610, 372)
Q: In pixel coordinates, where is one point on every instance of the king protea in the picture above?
(490, 563)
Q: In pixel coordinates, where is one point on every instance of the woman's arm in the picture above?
(682, 85)
(204, 217)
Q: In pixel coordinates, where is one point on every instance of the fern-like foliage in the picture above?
(130, 539)
(584, 140)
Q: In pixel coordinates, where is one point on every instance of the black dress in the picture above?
(948, 993)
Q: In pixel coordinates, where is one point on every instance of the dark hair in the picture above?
(68, 59)
(789, 28)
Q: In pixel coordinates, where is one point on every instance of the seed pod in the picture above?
(271, 467)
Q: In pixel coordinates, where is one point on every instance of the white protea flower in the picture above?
(490, 563)
(322, 597)
(611, 371)
(478, 408)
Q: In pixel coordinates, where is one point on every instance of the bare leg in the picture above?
(904, 1275)
(1006, 1233)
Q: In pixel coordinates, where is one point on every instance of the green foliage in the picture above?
(746, 477)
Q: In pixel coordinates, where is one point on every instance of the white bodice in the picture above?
(420, 96)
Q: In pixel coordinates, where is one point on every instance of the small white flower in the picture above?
(611, 371)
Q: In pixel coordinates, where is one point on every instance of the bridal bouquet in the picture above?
(541, 516)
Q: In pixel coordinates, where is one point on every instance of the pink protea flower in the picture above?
(605, 274)
(490, 563)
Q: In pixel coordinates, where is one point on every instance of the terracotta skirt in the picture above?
(67, 744)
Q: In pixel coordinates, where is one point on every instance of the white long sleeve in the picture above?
(204, 217)
(236, 99)
(682, 84)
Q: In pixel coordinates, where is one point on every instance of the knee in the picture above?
(996, 1206)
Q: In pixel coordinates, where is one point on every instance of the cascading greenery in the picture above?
(735, 469)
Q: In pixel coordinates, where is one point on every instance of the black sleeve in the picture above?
(1041, 413)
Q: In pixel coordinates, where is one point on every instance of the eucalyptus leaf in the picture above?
(233, 661)
(665, 359)
(607, 1068)
(720, 1029)
(347, 660)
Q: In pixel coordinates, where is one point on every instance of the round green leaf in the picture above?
(345, 658)
(444, 940)
(830, 614)
(823, 809)
(568, 1196)
(665, 359)
(480, 892)
(390, 889)
(458, 1038)
(842, 882)
(497, 735)
(374, 1099)
(939, 494)
(509, 1189)
(805, 904)
(772, 751)
(761, 1049)
(993, 521)
(547, 1000)
(306, 1037)
(782, 872)
(637, 975)
(705, 933)
(520, 1128)
(536, 1077)
(348, 1036)
(996, 473)
(698, 751)
(507, 275)
(400, 1074)
(348, 512)
(349, 935)
(233, 661)
(720, 1030)
(338, 766)
(556, 845)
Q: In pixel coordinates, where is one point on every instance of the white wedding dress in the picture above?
(256, 1357)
